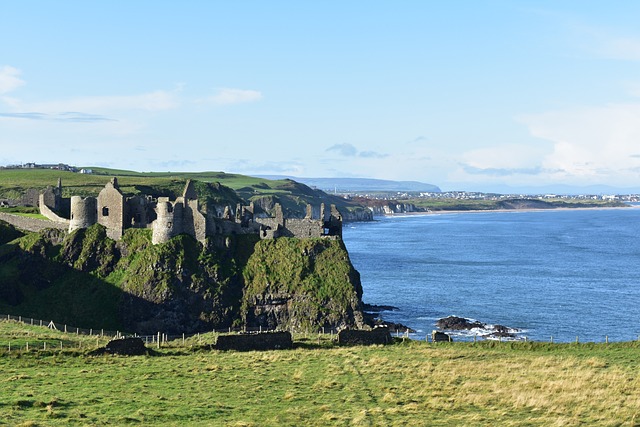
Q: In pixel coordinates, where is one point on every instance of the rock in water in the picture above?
(455, 323)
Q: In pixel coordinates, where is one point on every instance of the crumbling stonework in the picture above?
(329, 224)
(168, 219)
(255, 342)
(111, 209)
(379, 335)
(132, 346)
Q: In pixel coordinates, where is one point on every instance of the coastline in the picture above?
(440, 212)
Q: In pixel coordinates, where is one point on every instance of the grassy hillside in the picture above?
(413, 383)
(212, 186)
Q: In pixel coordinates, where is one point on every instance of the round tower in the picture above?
(168, 222)
(83, 212)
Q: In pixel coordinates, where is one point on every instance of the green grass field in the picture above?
(19, 180)
(410, 383)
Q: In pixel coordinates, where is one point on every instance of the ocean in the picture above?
(556, 275)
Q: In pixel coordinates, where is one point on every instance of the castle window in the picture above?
(105, 211)
(169, 224)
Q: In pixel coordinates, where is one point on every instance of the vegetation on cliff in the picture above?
(86, 279)
(302, 284)
(8, 233)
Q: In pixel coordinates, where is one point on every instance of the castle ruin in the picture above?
(169, 218)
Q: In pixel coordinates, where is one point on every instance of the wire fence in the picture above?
(165, 339)
(102, 335)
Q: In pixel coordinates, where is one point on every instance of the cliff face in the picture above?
(301, 284)
(86, 279)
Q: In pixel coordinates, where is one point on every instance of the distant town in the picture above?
(56, 166)
(387, 195)
(474, 195)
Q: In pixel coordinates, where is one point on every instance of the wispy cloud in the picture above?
(175, 164)
(502, 172)
(372, 155)
(9, 79)
(346, 150)
(418, 139)
(269, 167)
(229, 96)
(609, 43)
(59, 117)
(349, 150)
(153, 101)
(622, 48)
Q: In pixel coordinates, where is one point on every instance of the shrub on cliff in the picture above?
(8, 232)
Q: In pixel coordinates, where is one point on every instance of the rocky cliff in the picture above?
(88, 280)
(301, 284)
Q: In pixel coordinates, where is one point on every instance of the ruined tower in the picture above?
(169, 220)
(111, 209)
(83, 212)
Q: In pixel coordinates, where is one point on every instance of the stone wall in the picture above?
(132, 346)
(31, 224)
(46, 211)
(255, 342)
(303, 228)
(329, 224)
(30, 198)
(139, 212)
(380, 335)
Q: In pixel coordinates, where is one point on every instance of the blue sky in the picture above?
(461, 94)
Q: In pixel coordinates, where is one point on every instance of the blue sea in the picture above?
(554, 274)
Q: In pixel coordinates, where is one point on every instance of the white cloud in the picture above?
(227, 96)
(9, 79)
(594, 144)
(153, 101)
(506, 156)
